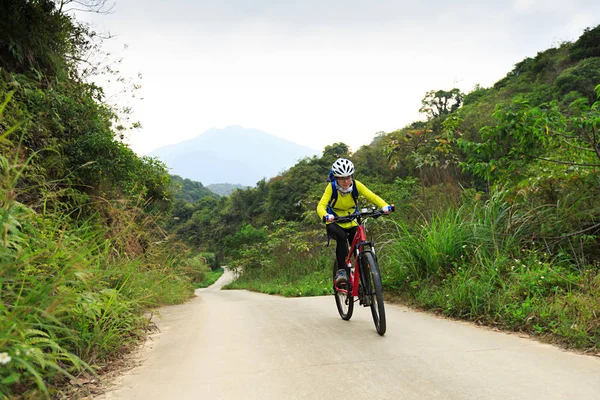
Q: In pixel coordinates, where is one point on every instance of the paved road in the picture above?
(243, 345)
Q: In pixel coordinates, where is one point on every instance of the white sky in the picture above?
(318, 72)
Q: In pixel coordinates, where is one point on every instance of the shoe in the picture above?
(341, 279)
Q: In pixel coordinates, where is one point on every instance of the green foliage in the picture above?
(532, 73)
(196, 268)
(401, 192)
(433, 247)
(291, 262)
(371, 160)
(98, 161)
(198, 224)
(474, 263)
(287, 196)
(188, 190)
(43, 50)
(582, 78)
(588, 44)
(505, 148)
(210, 278)
(437, 104)
(427, 150)
(476, 95)
(525, 136)
(69, 299)
(75, 152)
(335, 151)
(426, 250)
(522, 294)
(247, 236)
(211, 260)
(209, 222)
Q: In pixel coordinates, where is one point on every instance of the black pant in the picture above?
(343, 237)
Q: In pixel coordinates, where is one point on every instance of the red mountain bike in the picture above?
(368, 289)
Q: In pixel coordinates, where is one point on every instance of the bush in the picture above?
(195, 268)
(588, 44)
(581, 78)
(211, 260)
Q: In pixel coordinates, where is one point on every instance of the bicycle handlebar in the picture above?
(352, 217)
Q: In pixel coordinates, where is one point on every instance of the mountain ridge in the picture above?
(233, 155)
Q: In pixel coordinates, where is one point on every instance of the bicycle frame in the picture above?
(356, 249)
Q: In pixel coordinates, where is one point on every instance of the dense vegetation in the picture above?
(83, 251)
(498, 199)
(189, 191)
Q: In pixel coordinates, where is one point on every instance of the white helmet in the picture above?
(342, 168)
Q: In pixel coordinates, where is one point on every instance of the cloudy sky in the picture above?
(317, 71)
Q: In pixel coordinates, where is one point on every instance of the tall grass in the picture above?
(480, 262)
(432, 248)
(74, 292)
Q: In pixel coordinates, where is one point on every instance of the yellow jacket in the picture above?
(345, 203)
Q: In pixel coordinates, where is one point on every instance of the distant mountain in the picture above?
(232, 155)
(224, 189)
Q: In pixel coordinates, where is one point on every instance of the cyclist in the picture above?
(340, 199)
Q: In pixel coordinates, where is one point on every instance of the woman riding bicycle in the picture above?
(340, 199)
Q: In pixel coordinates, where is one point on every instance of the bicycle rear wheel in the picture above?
(343, 301)
(374, 290)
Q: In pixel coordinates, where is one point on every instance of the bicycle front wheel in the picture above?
(343, 301)
(374, 290)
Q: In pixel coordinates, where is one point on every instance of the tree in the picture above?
(588, 44)
(545, 134)
(371, 160)
(440, 103)
(94, 6)
(336, 150)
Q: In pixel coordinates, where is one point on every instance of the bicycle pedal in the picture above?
(339, 289)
